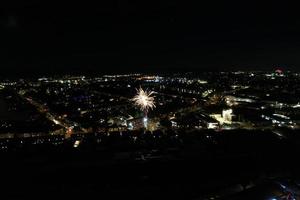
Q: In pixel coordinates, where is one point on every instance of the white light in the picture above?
(144, 100)
(282, 186)
(227, 115)
(76, 144)
(297, 106)
(281, 116)
(212, 125)
(55, 121)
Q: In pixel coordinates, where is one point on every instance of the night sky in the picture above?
(144, 35)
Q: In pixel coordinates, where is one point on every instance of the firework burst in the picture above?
(144, 100)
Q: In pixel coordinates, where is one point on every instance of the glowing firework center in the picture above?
(145, 101)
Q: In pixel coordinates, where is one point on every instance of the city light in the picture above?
(227, 115)
(76, 144)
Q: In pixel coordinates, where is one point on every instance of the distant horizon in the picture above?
(34, 73)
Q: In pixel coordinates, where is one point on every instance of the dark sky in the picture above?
(43, 36)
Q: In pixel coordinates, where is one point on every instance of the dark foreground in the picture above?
(182, 165)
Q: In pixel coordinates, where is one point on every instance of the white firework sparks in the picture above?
(144, 100)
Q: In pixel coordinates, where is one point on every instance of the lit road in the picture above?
(67, 124)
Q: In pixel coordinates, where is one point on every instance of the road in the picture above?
(65, 123)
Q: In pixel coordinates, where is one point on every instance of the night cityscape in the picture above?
(147, 100)
(246, 123)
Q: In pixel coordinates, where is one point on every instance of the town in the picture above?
(246, 118)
